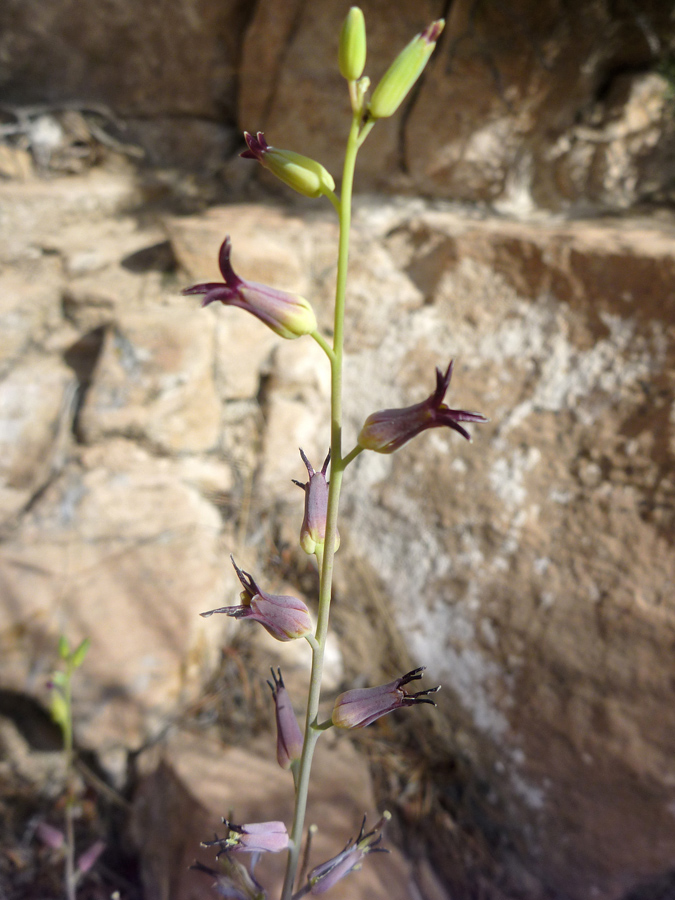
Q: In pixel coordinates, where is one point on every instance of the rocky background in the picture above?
(143, 440)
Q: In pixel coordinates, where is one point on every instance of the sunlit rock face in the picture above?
(529, 570)
(560, 105)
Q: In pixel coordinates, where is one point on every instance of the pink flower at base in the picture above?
(288, 315)
(289, 736)
(285, 618)
(258, 837)
(360, 707)
(389, 429)
(313, 529)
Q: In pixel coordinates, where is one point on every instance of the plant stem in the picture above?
(68, 754)
(325, 557)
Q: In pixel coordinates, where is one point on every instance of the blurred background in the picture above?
(516, 215)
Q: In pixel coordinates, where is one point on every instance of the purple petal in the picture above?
(89, 857)
(49, 835)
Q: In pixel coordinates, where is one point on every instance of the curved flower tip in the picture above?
(389, 429)
(257, 146)
(313, 528)
(360, 707)
(288, 315)
(304, 175)
(324, 876)
(284, 617)
(258, 837)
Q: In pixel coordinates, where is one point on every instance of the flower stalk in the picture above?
(326, 555)
(287, 618)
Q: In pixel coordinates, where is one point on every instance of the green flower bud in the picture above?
(352, 51)
(304, 175)
(79, 653)
(404, 72)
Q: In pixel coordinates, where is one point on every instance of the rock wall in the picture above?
(542, 104)
(145, 439)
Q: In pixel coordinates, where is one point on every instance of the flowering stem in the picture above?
(325, 556)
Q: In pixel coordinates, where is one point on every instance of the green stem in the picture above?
(70, 875)
(351, 456)
(325, 346)
(332, 196)
(325, 557)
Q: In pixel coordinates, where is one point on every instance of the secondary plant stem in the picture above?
(325, 557)
(68, 753)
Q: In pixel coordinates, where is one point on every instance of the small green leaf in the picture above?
(64, 649)
(79, 654)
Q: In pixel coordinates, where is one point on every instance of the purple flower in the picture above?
(389, 429)
(258, 837)
(313, 529)
(324, 876)
(289, 736)
(52, 837)
(289, 315)
(87, 859)
(235, 883)
(360, 707)
(285, 618)
(305, 175)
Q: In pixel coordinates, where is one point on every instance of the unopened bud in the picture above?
(404, 72)
(313, 530)
(352, 50)
(289, 736)
(304, 175)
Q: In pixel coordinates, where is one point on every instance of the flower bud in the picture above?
(313, 529)
(352, 50)
(289, 736)
(304, 175)
(404, 72)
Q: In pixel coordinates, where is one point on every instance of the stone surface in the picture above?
(530, 571)
(142, 59)
(542, 104)
(195, 771)
(526, 604)
(35, 402)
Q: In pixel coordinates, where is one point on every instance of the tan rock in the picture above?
(154, 382)
(36, 408)
(127, 555)
(199, 780)
(531, 571)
